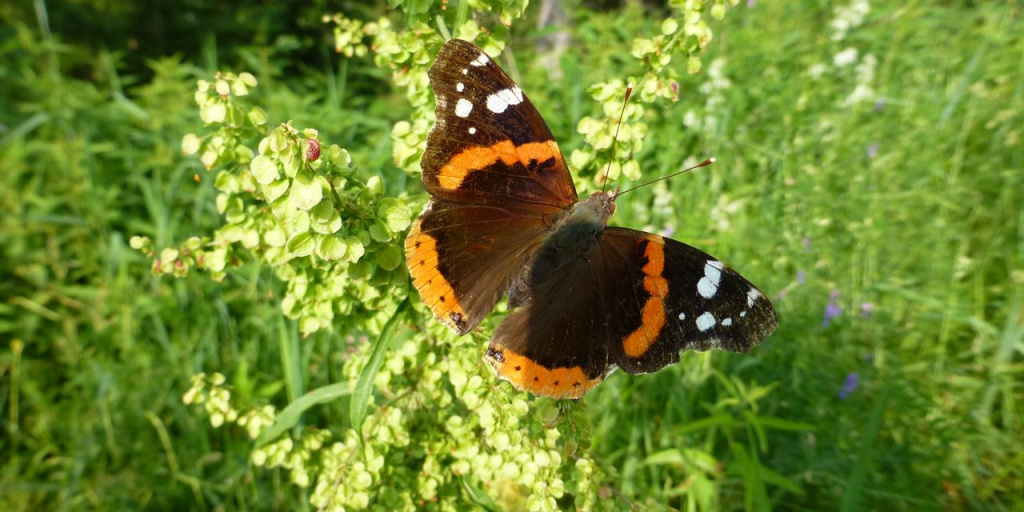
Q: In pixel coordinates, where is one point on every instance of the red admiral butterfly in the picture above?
(586, 298)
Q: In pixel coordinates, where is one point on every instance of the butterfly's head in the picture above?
(601, 204)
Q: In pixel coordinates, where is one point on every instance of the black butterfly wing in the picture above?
(634, 302)
(489, 144)
(689, 301)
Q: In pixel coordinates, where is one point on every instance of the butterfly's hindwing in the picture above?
(690, 301)
(463, 257)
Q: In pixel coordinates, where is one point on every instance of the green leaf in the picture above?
(273, 191)
(389, 257)
(863, 465)
(289, 417)
(718, 11)
(324, 219)
(331, 248)
(264, 169)
(396, 215)
(190, 144)
(379, 232)
(358, 270)
(306, 192)
(278, 141)
(673, 456)
(355, 248)
(478, 496)
(364, 386)
(340, 158)
(302, 244)
(258, 116)
(213, 112)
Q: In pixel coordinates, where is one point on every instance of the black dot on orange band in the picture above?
(519, 368)
(556, 382)
(535, 379)
(423, 262)
(417, 245)
(576, 384)
(442, 298)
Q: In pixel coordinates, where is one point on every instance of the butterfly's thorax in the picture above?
(575, 234)
(581, 226)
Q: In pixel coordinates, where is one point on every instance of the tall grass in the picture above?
(882, 187)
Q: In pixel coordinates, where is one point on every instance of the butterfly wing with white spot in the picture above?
(489, 144)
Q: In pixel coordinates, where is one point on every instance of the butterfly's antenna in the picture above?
(629, 91)
(709, 161)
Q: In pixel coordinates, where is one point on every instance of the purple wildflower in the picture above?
(832, 309)
(879, 104)
(801, 277)
(750, 3)
(849, 386)
(872, 150)
(806, 242)
(667, 232)
(867, 308)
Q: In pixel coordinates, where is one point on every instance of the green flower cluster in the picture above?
(331, 237)
(447, 436)
(683, 35)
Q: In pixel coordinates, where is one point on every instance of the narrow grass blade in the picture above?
(288, 344)
(478, 496)
(289, 417)
(865, 457)
(364, 386)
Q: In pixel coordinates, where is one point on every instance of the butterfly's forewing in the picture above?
(634, 302)
(496, 177)
(489, 144)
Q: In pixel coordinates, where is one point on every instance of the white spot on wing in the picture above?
(705, 321)
(480, 60)
(463, 107)
(727, 322)
(460, 86)
(501, 100)
(708, 285)
(682, 315)
(465, 71)
(752, 295)
(743, 314)
(472, 130)
(706, 288)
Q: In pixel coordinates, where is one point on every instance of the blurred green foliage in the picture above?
(869, 176)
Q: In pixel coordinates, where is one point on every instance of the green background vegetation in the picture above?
(870, 178)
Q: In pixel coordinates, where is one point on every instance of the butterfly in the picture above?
(585, 298)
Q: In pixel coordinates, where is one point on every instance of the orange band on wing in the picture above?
(421, 257)
(528, 375)
(652, 320)
(461, 165)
